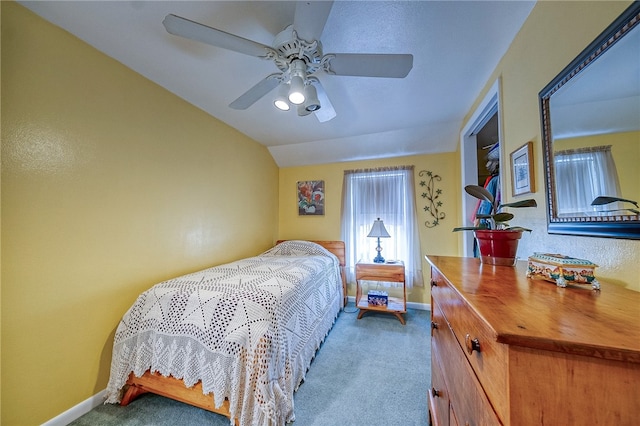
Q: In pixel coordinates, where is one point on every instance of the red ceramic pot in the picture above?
(498, 247)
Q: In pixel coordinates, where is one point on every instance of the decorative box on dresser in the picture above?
(508, 350)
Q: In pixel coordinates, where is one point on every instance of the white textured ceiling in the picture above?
(456, 45)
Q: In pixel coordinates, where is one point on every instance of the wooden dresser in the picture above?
(510, 350)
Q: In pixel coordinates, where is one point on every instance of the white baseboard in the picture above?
(78, 411)
(419, 306)
(411, 305)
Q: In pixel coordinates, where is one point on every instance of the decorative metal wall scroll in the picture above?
(431, 196)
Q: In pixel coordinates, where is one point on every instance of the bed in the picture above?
(235, 339)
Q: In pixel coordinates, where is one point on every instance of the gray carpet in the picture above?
(373, 371)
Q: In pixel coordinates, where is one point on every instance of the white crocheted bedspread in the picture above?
(248, 329)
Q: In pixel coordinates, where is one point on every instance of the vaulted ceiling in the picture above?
(455, 46)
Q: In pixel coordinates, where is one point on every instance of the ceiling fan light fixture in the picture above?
(297, 52)
(296, 92)
(302, 111)
(281, 100)
(311, 102)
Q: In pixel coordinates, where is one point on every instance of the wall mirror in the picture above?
(591, 136)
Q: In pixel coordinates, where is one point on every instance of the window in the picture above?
(387, 194)
(595, 168)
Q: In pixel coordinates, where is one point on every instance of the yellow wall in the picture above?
(0, 237)
(437, 240)
(553, 35)
(534, 59)
(109, 185)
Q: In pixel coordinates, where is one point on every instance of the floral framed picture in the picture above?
(310, 197)
(522, 170)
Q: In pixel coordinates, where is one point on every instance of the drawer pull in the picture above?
(434, 325)
(472, 344)
(434, 283)
(435, 393)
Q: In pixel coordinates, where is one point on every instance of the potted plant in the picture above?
(497, 241)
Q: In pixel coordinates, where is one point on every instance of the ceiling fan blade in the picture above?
(371, 65)
(310, 18)
(192, 30)
(256, 92)
(326, 111)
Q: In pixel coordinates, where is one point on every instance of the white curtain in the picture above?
(582, 175)
(387, 194)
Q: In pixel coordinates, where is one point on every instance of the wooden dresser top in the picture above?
(538, 314)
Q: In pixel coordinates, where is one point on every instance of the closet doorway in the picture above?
(477, 139)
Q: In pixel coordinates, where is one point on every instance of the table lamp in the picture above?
(378, 231)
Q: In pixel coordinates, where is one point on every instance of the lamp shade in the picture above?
(378, 230)
(302, 111)
(297, 70)
(296, 91)
(281, 100)
(311, 102)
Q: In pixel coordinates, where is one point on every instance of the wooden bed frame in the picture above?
(173, 388)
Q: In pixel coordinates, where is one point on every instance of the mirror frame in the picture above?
(628, 226)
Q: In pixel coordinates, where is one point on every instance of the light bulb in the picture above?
(281, 104)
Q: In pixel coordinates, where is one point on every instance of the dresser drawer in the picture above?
(487, 357)
(469, 404)
(438, 395)
(572, 357)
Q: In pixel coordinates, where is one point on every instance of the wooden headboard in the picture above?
(338, 249)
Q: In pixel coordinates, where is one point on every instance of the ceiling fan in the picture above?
(297, 52)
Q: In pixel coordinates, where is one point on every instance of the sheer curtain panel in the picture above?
(582, 175)
(388, 194)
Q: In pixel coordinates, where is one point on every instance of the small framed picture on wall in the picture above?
(310, 197)
(522, 169)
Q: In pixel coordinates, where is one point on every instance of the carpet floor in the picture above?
(368, 372)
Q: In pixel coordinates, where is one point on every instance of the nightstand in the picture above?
(384, 272)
